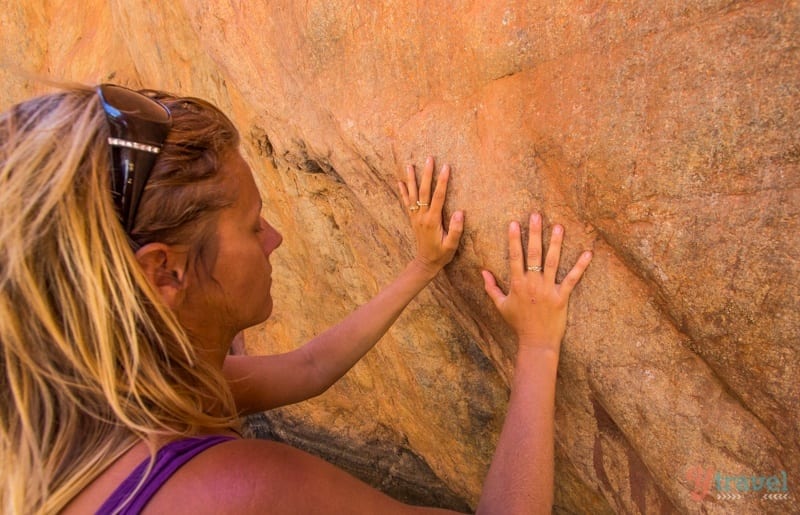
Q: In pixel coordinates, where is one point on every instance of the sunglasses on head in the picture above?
(138, 126)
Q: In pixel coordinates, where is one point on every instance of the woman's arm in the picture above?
(520, 478)
(260, 383)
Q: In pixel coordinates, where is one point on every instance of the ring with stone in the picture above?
(533, 268)
(413, 208)
(422, 204)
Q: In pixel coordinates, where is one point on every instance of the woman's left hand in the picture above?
(435, 245)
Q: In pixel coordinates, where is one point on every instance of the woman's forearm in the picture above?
(261, 383)
(335, 351)
(520, 478)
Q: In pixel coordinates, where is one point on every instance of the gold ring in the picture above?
(413, 208)
(423, 204)
(533, 268)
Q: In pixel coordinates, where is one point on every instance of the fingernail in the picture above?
(535, 218)
(459, 216)
(429, 159)
(558, 229)
(588, 254)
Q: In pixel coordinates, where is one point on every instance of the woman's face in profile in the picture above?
(242, 273)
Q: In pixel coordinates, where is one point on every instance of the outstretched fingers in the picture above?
(534, 259)
(576, 273)
(410, 187)
(437, 242)
(515, 262)
(425, 183)
(403, 189)
(422, 194)
(439, 194)
(553, 254)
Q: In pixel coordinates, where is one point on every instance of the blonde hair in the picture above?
(91, 360)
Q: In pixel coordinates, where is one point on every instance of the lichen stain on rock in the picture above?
(662, 136)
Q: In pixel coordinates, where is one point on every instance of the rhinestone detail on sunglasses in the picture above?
(116, 142)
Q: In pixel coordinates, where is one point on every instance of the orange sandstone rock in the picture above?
(663, 136)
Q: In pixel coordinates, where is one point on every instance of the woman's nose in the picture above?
(278, 238)
(273, 238)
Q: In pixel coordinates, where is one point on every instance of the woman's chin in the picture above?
(265, 313)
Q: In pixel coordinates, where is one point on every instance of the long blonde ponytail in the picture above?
(90, 361)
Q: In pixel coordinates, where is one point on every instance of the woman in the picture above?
(132, 251)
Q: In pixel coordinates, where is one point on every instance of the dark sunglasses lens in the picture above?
(121, 101)
(138, 126)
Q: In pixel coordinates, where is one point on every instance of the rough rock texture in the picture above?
(663, 135)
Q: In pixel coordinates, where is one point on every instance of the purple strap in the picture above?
(168, 459)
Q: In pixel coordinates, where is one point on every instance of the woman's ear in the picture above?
(165, 268)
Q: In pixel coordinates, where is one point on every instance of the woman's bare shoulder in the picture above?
(259, 476)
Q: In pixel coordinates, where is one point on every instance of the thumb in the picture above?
(490, 285)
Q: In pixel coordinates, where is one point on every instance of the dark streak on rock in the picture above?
(387, 463)
(604, 424)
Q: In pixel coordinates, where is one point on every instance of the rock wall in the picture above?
(663, 135)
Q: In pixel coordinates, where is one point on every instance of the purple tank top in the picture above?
(168, 459)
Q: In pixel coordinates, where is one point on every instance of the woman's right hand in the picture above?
(425, 203)
(536, 306)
